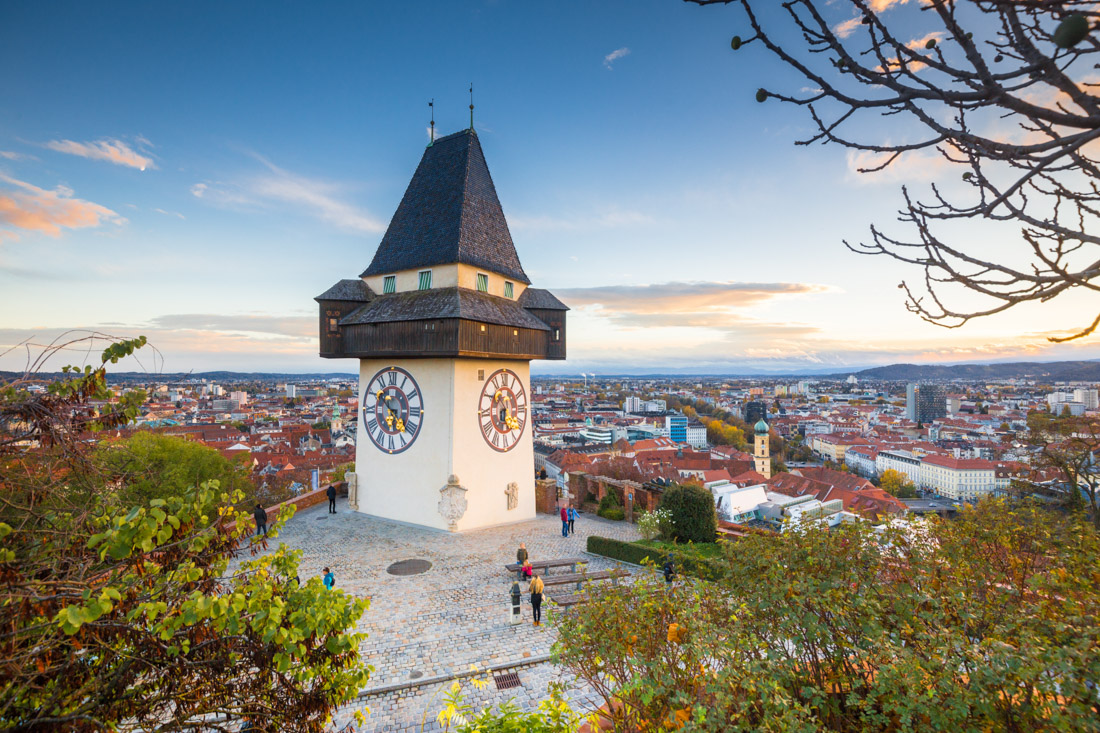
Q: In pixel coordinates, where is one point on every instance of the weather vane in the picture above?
(471, 105)
(431, 104)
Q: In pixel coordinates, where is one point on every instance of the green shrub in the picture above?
(638, 554)
(612, 512)
(694, 518)
(610, 500)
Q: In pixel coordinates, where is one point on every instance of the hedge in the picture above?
(634, 553)
(612, 512)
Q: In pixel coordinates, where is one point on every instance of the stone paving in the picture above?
(427, 629)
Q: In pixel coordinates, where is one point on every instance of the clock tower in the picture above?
(444, 323)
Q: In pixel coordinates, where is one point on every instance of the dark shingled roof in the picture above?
(420, 305)
(354, 290)
(450, 213)
(541, 300)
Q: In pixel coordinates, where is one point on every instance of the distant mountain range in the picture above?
(1054, 371)
(128, 377)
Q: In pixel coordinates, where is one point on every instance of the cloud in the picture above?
(110, 150)
(615, 55)
(848, 27)
(290, 327)
(9, 155)
(663, 299)
(279, 188)
(28, 207)
(191, 340)
(170, 213)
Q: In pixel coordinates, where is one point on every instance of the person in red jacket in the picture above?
(564, 522)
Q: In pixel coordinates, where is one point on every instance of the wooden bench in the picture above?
(580, 578)
(545, 565)
(566, 600)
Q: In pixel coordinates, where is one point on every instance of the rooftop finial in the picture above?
(471, 105)
(432, 105)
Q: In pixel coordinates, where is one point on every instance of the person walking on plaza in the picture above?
(329, 580)
(261, 520)
(521, 558)
(564, 522)
(572, 518)
(536, 599)
(331, 499)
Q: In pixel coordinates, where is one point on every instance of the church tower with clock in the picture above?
(444, 323)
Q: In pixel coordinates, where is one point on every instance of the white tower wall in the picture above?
(405, 486)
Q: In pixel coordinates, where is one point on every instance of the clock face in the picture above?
(502, 410)
(393, 410)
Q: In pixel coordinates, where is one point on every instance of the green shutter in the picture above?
(389, 284)
(426, 280)
(507, 290)
(482, 282)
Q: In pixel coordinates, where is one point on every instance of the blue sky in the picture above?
(197, 172)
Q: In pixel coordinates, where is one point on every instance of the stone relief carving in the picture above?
(353, 490)
(512, 492)
(452, 502)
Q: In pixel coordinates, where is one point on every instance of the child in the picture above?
(329, 579)
(528, 571)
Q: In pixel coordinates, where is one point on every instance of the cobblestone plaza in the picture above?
(427, 629)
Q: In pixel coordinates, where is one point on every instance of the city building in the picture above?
(925, 402)
(962, 479)
(754, 411)
(676, 427)
(761, 454)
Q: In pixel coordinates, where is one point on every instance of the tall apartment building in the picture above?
(676, 425)
(755, 411)
(1086, 396)
(925, 402)
(632, 404)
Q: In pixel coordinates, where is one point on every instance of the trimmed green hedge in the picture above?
(634, 553)
(612, 512)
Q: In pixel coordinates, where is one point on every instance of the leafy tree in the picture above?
(694, 518)
(1070, 444)
(151, 465)
(897, 484)
(1000, 90)
(150, 616)
(985, 622)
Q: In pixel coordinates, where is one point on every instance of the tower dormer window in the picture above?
(389, 284)
(509, 289)
(482, 282)
(425, 279)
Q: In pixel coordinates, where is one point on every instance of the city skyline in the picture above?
(195, 174)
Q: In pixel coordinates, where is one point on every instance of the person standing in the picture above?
(521, 558)
(261, 520)
(536, 599)
(669, 570)
(564, 522)
(331, 499)
(572, 518)
(329, 580)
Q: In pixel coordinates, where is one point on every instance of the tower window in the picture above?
(482, 282)
(333, 325)
(426, 280)
(389, 284)
(508, 289)
(557, 334)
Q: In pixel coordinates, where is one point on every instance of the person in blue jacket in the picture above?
(329, 579)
